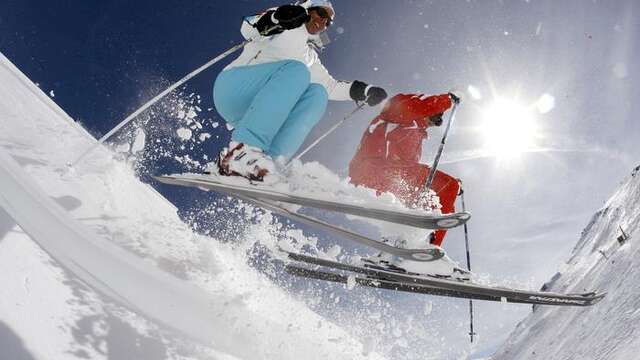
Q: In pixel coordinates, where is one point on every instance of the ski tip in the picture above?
(592, 298)
(449, 221)
(598, 296)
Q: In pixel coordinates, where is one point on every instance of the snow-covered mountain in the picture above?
(95, 264)
(605, 258)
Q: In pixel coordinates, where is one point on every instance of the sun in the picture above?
(508, 129)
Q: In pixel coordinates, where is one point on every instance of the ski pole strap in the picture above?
(436, 161)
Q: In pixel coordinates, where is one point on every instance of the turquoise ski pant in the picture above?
(272, 106)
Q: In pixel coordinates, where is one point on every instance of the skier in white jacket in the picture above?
(277, 89)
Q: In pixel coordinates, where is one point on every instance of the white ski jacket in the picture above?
(288, 45)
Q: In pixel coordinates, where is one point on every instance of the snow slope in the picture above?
(608, 330)
(121, 276)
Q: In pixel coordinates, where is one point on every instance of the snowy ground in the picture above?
(608, 330)
(104, 268)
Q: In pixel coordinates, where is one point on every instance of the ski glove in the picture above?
(372, 95)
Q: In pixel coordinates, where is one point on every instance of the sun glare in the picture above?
(509, 129)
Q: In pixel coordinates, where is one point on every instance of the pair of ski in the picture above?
(271, 200)
(328, 270)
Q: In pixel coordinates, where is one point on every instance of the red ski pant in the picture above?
(407, 182)
(447, 188)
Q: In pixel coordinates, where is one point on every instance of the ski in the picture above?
(413, 254)
(415, 218)
(382, 284)
(441, 287)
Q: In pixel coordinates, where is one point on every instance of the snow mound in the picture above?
(125, 276)
(605, 258)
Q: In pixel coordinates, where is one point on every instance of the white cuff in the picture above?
(366, 90)
(273, 18)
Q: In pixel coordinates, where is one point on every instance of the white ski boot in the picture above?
(442, 267)
(243, 160)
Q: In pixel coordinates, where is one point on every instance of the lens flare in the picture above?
(509, 129)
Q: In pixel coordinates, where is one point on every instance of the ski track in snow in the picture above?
(122, 261)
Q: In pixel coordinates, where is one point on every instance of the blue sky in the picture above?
(103, 59)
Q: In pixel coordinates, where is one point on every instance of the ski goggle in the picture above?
(436, 119)
(323, 13)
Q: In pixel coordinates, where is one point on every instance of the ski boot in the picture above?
(442, 267)
(242, 160)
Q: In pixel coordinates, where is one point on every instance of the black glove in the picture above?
(291, 16)
(374, 96)
(454, 98)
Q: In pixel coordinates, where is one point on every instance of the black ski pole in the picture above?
(466, 242)
(434, 167)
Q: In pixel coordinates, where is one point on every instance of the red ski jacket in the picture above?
(397, 133)
(388, 157)
(394, 138)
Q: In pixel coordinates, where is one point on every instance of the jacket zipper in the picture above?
(253, 58)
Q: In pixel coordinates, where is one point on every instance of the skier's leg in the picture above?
(235, 89)
(230, 103)
(306, 113)
(258, 99)
(447, 189)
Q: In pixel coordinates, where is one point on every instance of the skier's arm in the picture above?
(248, 29)
(276, 20)
(407, 109)
(345, 90)
(337, 89)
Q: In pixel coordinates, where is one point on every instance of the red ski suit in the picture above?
(388, 157)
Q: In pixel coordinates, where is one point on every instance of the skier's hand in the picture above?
(290, 16)
(372, 95)
(454, 98)
(376, 95)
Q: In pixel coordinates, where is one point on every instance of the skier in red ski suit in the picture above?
(388, 157)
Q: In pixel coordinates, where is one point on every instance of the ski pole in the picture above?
(466, 242)
(434, 167)
(358, 108)
(157, 98)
